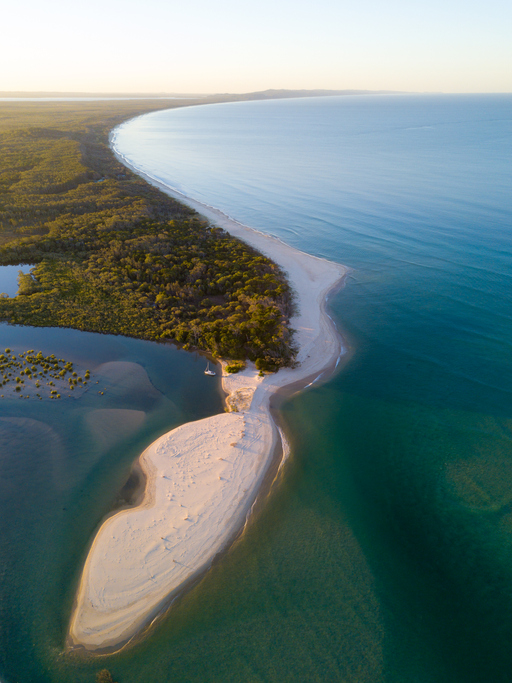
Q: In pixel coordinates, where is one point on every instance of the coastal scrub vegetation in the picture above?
(104, 676)
(235, 366)
(113, 254)
(32, 370)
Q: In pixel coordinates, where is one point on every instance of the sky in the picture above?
(236, 46)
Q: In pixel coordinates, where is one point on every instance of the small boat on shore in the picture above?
(208, 371)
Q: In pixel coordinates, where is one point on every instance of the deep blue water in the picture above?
(413, 192)
(387, 555)
(384, 554)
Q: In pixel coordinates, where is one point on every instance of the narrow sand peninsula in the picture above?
(203, 477)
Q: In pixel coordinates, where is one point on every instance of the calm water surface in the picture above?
(9, 278)
(385, 553)
(62, 466)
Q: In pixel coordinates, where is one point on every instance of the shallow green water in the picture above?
(62, 465)
(384, 554)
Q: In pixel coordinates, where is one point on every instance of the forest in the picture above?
(113, 254)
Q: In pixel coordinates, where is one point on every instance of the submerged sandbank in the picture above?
(203, 477)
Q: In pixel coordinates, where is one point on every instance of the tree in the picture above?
(27, 283)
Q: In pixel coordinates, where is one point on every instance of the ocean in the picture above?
(385, 552)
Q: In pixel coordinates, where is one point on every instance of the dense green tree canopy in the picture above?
(112, 254)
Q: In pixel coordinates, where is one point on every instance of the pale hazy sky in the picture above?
(240, 46)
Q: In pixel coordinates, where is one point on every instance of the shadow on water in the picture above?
(132, 492)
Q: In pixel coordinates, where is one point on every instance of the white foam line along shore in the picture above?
(203, 477)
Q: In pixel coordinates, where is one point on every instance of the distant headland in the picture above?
(270, 94)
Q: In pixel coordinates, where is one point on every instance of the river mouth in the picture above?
(65, 464)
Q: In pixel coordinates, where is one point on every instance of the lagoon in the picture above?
(384, 553)
(63, 466)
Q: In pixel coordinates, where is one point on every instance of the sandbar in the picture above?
(203, 477)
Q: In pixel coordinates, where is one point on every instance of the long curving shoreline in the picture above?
(203, 477)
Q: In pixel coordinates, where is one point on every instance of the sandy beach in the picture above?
(204, 476)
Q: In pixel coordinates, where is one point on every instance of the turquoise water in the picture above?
(62, 466)
(385, 552)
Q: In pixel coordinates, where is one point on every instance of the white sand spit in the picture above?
(196, 484)
(203, 477)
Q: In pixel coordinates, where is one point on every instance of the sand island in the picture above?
(113, 254)
(202, 477)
